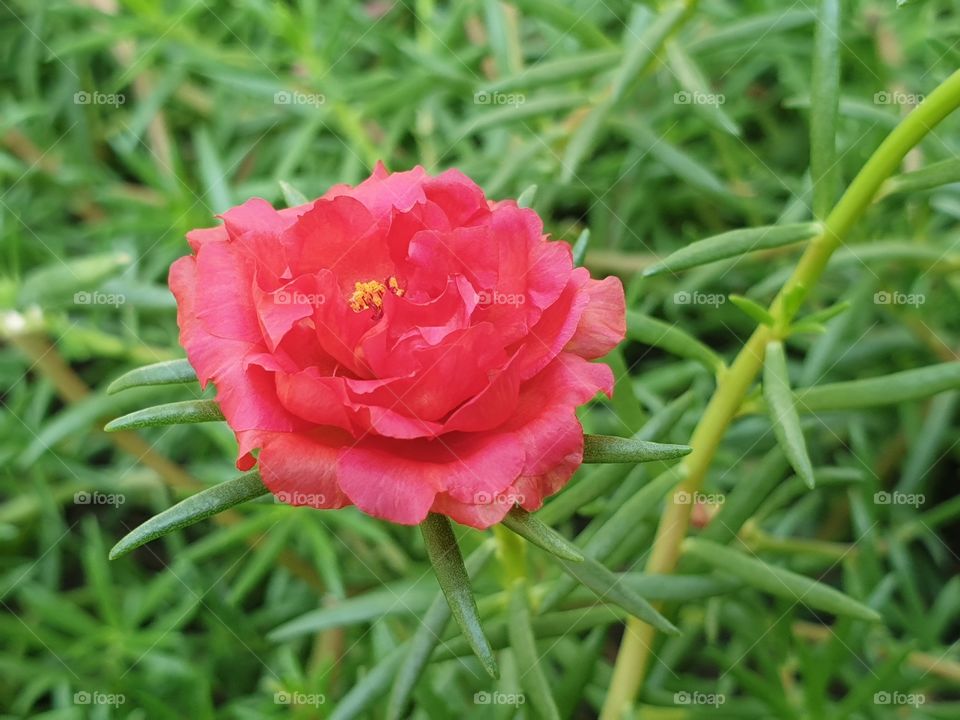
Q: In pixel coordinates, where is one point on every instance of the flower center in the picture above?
(369, 294)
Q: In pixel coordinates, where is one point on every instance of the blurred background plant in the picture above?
(653, 125)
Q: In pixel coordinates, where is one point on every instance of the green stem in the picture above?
(734, 384)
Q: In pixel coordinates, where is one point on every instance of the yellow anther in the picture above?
(369, 294)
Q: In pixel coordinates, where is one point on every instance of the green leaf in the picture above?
(170, 372)
(637, 59)
(63, 278)
(260, 563)
(73, 420)
(732, 244)
(583, 138)
(547, 72)
(642, 51)
(788, 492)
(612, 449)
(650, 331)
(369, 688)
(195, 508)
(604, 538)
(557, 624)
(746, 497)
(426, 639)
(682, 164)
(926, 449)
(527, 196)
(177, 413)
(679, 588)
(444, 554)
(568, 22)
(748, 30)
(607, 586)
(524, 646)
(697, 92)
(932, 176)
(522, 109)
(884, 390)
(413, 598)
(783, 412)
(755, 311)
(579, 673)
(580, 247)
(824, 103)
(777, 581)
(291, 196)
(543, 536)
(502, 37)
(806, 327)
(827, 314)
(416, 655)
(212, 172)
(602, 542)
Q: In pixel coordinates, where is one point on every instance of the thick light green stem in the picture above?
(734, 384)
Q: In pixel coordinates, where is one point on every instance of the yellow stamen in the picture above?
(369, 294)
(395, 287)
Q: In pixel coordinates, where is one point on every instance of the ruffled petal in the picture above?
(280, 309)
(399, 480)
(342, 236)
(383, 191)
(603, 323)
(246, 393)
(300, 469)
(460, 197)
(556, 326)
(224, 292)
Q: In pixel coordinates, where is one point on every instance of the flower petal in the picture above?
(300, 469)
(399, 480)
(246, 393)
(603, 323)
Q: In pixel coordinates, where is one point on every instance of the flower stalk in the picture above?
(734, 384)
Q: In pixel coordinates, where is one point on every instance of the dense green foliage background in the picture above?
(125, 124)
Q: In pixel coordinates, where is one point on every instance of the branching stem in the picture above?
(734, 384)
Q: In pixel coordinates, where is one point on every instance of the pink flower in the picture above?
(405, 346)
